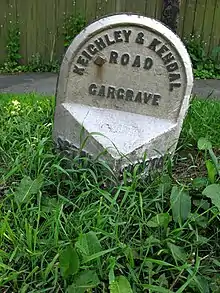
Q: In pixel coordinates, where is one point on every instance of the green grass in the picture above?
(70, 225)
(203, 120)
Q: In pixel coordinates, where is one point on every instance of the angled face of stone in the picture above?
(126, 80)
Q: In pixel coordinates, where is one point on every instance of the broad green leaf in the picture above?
(203, 204)
(213, 192)
(84, 281)
(180, 204)
(120, 285)
(160, 220)
(165, 185)
(177, 252)
(215, 161)
(204, 144)
(200, 284)
(152, 241)
(157, 289)
(211, 171)
(200, 182)
(88, 243)
(69, 262)
(27, 188)
(200, 220)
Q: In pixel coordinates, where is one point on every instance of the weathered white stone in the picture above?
(126, 80)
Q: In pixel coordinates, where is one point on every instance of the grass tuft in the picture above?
(203, 120)
(69, 225)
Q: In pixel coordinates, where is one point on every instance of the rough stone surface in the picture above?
(127, 81)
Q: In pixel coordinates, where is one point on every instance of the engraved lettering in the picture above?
(111, 92)
(168, 58)
(120, 93)
(82, 61)
(174, 85)
(147, 97)
(125, 94)
(117, 35)
(140, 38)
(127, 35)
(148, 63)
(78, 70)
(92, 49)
(113, 57)
(129, 95)
(102, 91)
(169, 62)
(172, 67)
(156, 99)
(174, 76)
(138, 97)
(87, 55)
(108, 41)
(154, 44)
(125, 59)
(137, 61)
(100, 44)
(162, 50)
(92, 89)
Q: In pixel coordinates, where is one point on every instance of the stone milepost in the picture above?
(129, 78)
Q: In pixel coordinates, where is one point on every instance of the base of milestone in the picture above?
(120, 138)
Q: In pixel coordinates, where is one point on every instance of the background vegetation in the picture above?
(205, 65)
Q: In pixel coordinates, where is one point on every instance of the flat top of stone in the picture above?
(119, 132)
(128, 63)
